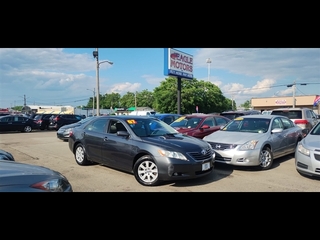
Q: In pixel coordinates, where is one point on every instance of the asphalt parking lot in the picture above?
(45, 149)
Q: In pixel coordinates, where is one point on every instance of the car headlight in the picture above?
(171, 154)
(303, 150)
(249, 145)
(53, 185)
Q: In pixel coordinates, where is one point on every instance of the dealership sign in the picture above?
(178, 63)
(280, 102)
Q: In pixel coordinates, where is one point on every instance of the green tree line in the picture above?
(206, 95)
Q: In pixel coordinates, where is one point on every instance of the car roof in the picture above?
(125, 117)
(261, 116)
(198, 115)
(166, 114)
(288, 109)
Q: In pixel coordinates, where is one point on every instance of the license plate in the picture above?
(205, 166)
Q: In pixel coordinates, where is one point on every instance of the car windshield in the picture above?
(253, 125)
(186, 122)
(316, 130)
(150, 127)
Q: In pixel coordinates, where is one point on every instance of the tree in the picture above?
(246, 105)
(128, 100)
(207, 96)
(112, 100)
(145, 98)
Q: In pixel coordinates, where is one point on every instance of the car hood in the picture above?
(11, 168)
(311, 141)
(233, 137)
(174, 141)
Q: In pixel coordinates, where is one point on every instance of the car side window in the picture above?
(209, 121)
(6, 119)
(276, 123)
(308, 113)
(286, 123)
(97, 126)
(221, 121)
(168, 120)
(112, 127)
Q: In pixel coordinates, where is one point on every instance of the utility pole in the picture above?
(24, 101)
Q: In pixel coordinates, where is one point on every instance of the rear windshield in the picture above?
(292, 114)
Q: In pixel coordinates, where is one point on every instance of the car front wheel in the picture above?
(266, 158)
(81, 156)
(146, 171)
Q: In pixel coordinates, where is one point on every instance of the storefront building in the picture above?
(309, 101)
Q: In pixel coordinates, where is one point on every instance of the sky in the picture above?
(67, 76)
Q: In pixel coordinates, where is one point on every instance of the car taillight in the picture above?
(301, 121)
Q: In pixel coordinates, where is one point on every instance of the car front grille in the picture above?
(198, 156)
(222, 146)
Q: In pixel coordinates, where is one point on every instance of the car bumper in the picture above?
(308, 165)
(180, 170)
(238, 158)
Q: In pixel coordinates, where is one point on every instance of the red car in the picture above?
(199, 125)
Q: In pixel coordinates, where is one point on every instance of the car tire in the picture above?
(265, 158)
(146, 171)
(81, 156)
(27, 129)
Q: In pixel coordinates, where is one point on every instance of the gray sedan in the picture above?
(21, 177)
(307, 156)
(255, 140)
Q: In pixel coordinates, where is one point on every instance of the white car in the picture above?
(307, 155)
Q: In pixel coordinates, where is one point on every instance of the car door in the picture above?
(6, 123)
(278, 139)
(18, 123)
(117, 151)
(94, 135)
(289, 134)
(212, 124)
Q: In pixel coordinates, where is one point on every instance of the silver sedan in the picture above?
(307, 156)
(255, 140)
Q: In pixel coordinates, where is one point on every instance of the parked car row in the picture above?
(155, 151)
(40, 121)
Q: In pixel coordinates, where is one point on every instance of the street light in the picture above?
(96, 55)
(92, 100)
